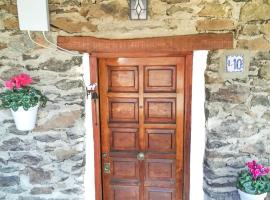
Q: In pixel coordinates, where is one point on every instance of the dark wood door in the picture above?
(142, 117)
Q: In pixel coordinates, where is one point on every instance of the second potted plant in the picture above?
(23, 100)
(253, 183)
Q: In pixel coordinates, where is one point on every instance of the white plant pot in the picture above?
(246, 196)
(25, 120)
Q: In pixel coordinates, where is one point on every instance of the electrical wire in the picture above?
(41, 45)
(67, 51)
(46, 47)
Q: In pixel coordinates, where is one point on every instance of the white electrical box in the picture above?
(33, 15)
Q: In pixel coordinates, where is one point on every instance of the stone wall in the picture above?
(237, 113)
(48, 163)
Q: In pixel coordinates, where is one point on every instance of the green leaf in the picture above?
(26, 97)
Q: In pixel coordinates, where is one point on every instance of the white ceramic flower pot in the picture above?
(25, 120)
(246, 196)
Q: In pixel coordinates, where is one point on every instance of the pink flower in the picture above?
(259, 166)
(257, 170)
(18, 81)
(9, 85)
(252, 164)
(25, 79)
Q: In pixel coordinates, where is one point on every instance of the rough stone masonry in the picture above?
(238, 128)
(48, 163)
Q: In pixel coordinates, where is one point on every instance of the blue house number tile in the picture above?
(235, 63)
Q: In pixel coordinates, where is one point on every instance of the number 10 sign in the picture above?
(234, 64)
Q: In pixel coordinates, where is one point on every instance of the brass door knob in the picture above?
(140, 156)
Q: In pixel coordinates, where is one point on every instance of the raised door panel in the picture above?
(124, 139)
(122, 79)
(152, 193)
(159, 110)
(159, 78)
(125, 170)
(123, 110)
(160, 140)
(160, 172)
(119, 192)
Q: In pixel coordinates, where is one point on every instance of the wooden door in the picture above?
(142, 117)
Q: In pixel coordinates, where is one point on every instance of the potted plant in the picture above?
(253, 183)
(23, 101)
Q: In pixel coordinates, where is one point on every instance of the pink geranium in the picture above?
(257, 169)
(18, 81)
(9, 84)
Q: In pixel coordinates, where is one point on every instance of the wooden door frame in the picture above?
(173, 46)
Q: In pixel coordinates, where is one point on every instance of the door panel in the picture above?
(125, 169)
(160, 172)
(159, 110)
(123, 110)
(124, 192)
(124, 139)
(142, 112)
(160, 140)
(159, 194)
(159, 79)
(123, 79)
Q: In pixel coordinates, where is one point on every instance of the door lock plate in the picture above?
(107, 168)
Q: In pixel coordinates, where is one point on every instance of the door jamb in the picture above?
(187, 116)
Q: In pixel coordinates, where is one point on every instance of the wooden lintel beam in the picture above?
(156, 44)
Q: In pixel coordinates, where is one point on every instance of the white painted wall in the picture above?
(89, 176)
(197, 125)
(197, 133)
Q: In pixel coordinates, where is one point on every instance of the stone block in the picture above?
(3, 45)
(55, 65)
(62, 120)
(67, 84)
(116, 9)
(230, 94)
(14, 144)
(174, 9)
(216, 10)
(47, 138)
(212, 77)
(250, 30)
(70, 26)
(265, 29)
(38, 175)
(260, 100)
(11, 24)
(215, 25)
(258, 44)
(27, 159)
(41, 190)
(12, 71)
(264, 72)
(7, 181)
(10, 8)
(29, 57)
(255, 11)
(64, 154)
